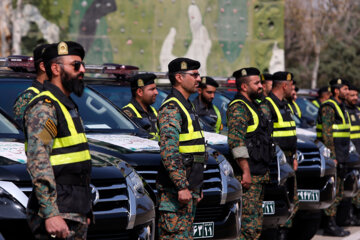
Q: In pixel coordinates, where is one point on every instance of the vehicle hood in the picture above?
(13, 163)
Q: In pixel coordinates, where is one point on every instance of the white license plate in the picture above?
(308, 195)
(268, 207)
(203, 230)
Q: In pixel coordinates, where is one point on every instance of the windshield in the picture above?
(308, 109)
(99, 115)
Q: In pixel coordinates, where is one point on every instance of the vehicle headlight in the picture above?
(226, 168)
(352, 148)
(136, 184)
(280, 156)
(10, 207)
(323, 149)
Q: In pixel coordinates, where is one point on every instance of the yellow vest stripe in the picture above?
(253, 127)
(37, 91)
(218, 120)
(277, 132)
(192, 148)
(130, 105)
(68, 158)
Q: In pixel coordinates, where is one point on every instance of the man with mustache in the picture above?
(333, 129)
(204, 106)
(144, 92)
(249, 138)
(183, 153)
(37, 85)
(58, 157)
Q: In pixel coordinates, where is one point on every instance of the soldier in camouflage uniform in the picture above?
(276, 109)
(24, 98)
(182, 148)
(58, 157)
(354, 113)
(139, 109)
(333, 129)
(249, 138)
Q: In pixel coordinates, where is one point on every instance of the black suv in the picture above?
(122, 206)
(218, 214)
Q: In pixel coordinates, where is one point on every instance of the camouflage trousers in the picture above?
(288, 223)
(175, 219)
(356, 201)
(331, 211)
(252, 211)
(78, 231)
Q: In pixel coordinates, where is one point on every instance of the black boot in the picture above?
(331, 229)
(283, 233)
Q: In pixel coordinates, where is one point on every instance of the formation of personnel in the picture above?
(260, 115)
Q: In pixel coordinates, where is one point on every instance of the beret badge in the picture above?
(183, 65)
(140, 83)
(243, 72)
(63, 48)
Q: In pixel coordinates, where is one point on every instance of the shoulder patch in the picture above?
(47, 100)
(51, 127)
(171, 106)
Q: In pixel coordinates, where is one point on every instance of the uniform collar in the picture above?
(36, 84)
(187, 104)
(242, 97)
(139, 107)
(277, 101)
(67, 101)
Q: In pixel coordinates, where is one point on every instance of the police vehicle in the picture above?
(218, 214)
(122, 206)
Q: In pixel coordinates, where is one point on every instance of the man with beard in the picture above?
(203, 103)
(266, 82)
(58, 157)
(183, 153)
(294, 107)
(276, 109)
(333, 129)
(249, 138)
(24, 98)
(144, 92)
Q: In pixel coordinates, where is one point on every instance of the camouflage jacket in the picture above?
(40, 137)
(23, 99)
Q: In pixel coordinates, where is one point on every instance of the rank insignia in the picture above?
(339, 81)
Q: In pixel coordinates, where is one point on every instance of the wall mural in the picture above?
(223, 35)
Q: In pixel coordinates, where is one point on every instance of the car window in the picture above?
(7, 127)
(99, 114)
(119, 95)
(307, 108)
(96, 112)
(9, 91)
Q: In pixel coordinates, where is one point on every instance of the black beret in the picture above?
(183, 64)
(63, 49)
(38, 52)
(338, 82)
(246, 72)
(323, 90)
(283, 76)
(353, 87)
(208, 81)
(141, 80)
(266, 77)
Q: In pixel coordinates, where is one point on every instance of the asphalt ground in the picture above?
(355, 235)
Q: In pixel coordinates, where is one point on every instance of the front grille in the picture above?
(212, 178)
(113, 195)
(211, 213)
(309, 157)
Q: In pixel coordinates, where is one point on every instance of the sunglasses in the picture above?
(75, 64)
(194, 75)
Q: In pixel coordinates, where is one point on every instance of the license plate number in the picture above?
(309, 195)
(203, 230)
(268, 207)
